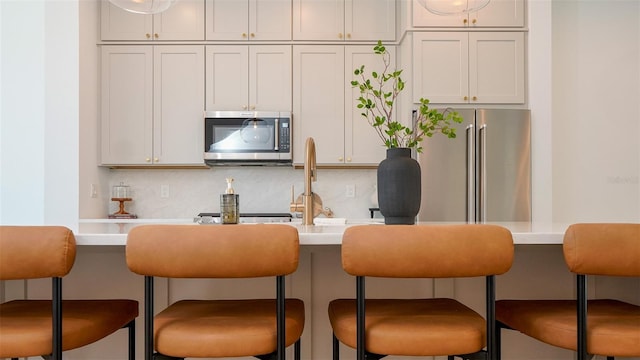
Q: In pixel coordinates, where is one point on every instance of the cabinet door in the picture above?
(184, 20)
(178, 104)
(318, 20)
(269, 19)
(496, 73)
(370, 20)
(227, 19)
(127, 78)
(227, 78)
(118, 24)
(318, 102)
(498, 13)
(270, 77)
(362, 143)
(440, 67)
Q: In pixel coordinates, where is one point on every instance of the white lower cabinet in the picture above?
(324, 105)
(241, 77)
(152, 105)
(469, 67)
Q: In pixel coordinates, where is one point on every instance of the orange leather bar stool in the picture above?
(218, 328)
(419, 327)
(604, 327)
(48, 327)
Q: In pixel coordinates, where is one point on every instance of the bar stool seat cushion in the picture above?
(554, 322)
(416, 327)
(225, 328)
(25, 325)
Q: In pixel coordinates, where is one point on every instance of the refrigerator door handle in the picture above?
(471, 207)
(482, 208)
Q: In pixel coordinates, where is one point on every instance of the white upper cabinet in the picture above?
(344, 20)
(242, 77)
(152, 105)
(248, 20)
(184, 20)
(469, 67)
(498, 13)
(324, 105)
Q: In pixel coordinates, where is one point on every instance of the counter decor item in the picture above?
(121, 193)
(398, 185)
(229, 205)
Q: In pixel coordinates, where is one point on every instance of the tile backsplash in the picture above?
(177, 194)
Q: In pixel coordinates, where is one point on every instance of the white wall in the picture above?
(39, 112)
(596, 111)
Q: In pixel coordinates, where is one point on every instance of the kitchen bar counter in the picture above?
(105, 232)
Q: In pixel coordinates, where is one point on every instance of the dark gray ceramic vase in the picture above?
(399, 187)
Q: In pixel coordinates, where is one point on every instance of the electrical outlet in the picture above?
(93, 192)
(164, 191)
(350, 191)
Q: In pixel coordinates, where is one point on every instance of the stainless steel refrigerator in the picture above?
(484, 174)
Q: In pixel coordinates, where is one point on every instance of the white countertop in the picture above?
(105, 232)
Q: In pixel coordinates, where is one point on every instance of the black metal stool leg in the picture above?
(131, 326)
(336, 348)
(296, 350)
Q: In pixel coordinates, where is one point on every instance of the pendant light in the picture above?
(453, 7)
(143, 6)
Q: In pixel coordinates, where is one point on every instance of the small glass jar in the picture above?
(121, 191)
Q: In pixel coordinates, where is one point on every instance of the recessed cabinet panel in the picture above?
(227, 77)
(178, 104)
(318, 101)
(248, 19)
(241, 77)
(498, 13)
(184, 20)
(497, 73)
(152, 105)
(344, 20)
(440, 67)
(469, 67)
(127, 98)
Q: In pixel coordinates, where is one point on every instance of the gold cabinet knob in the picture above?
(465, 21)
(465, 98)
(244, 107)
(148, 36)
(340, 159)
(252, 107)
(475, 98)
(474, 21)
(252, 35)
(348, 36)
(348, 159)
(340, 36)
(156, 160)
(244, 35)
(156, 35)
(147, 159)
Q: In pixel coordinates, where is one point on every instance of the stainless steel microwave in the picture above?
(247, 138)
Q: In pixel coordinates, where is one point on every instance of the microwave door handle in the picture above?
(276, 135)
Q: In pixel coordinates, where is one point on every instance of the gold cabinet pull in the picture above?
(147, 160)
(474, 21)
(340, 35)
(465, 21)
(348, 36)
(475, 98)
(466, 98)
(156, 160)
(348, 159)
(253, 35)
(156, 35)
(148, 36)
(340, 159)
(244, 35)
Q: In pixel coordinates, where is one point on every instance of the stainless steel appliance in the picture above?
(247, 138)
(484, 174)
(248, 218)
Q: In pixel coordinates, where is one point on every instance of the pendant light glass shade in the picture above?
(453, 7)
(143, 6)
